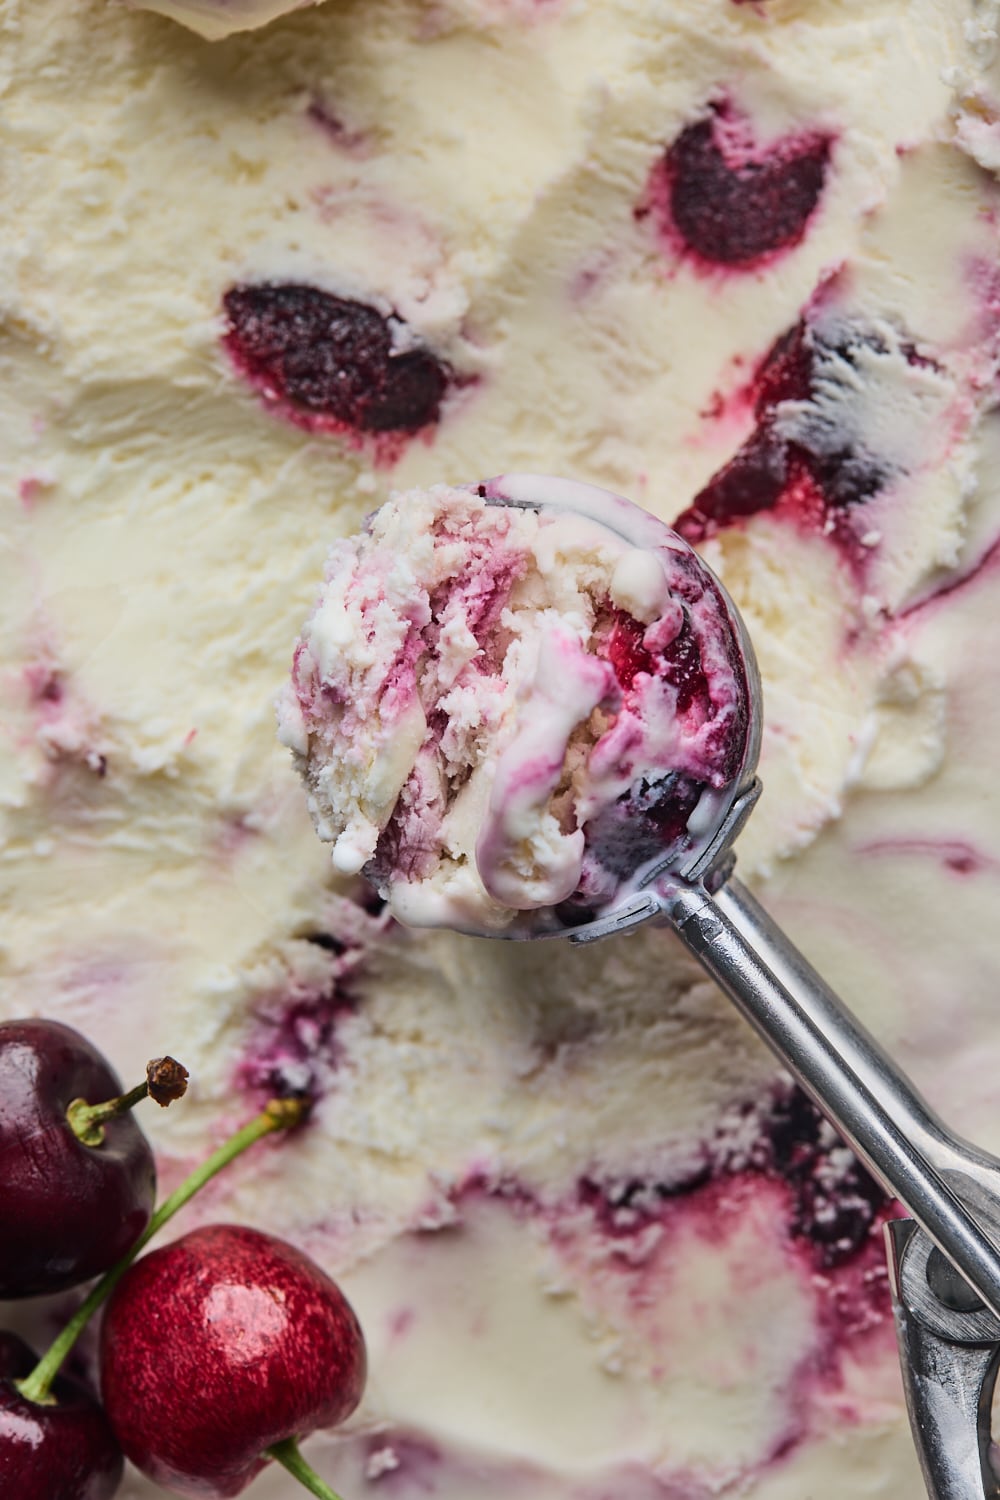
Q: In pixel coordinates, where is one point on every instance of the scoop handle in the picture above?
(840, 1066)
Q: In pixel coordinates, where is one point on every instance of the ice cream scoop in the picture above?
(526, 708)
(947, 1324)
(512, 713)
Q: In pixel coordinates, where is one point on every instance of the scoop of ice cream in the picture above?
(518, 698)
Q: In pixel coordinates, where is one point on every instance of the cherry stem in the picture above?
(288, 1455)
(166, 1080)
(87, 1120)
(277, 1114)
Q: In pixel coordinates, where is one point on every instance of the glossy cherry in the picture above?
(220, 1347)
(64, 1450)
(69, 1210)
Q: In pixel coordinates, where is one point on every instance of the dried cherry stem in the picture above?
(166, 1080)
(277, 1114)
(288, 1455)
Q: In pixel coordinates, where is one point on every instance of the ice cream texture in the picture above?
(514, 702)
(737, 262)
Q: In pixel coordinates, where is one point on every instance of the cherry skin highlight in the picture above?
(217, 1347)
(69, 1210)
(63, 1451)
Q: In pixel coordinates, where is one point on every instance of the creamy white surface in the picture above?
(160, 539)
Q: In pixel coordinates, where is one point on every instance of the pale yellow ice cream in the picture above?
(251, 286)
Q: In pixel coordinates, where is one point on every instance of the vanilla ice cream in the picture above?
(736, 261)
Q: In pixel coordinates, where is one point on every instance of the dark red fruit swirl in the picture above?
(732, 208)
(331, 357)
(835, 1207)
(651, 820)
(772, 471)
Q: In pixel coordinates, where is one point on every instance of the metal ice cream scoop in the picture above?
(944, 1262)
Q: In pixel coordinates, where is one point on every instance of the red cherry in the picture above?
(59, 1451)
(218, 1347)
(69, 1210)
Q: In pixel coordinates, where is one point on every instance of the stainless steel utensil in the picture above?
(944, 1262)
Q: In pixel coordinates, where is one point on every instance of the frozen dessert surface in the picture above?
(506, 702)
(251, 287)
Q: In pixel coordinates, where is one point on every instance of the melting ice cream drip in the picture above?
(511, 700)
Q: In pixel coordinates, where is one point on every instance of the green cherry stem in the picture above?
(288, 1455)
(166, 1080)
(278, 1114)
(87, 1121)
